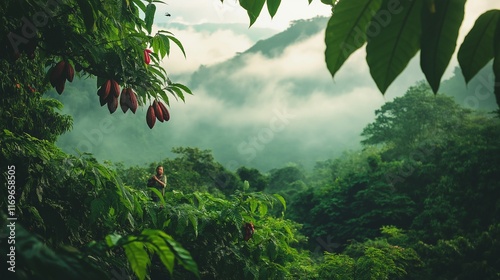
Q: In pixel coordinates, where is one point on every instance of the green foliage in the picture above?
(158, 242)
(192, 170)
(430, 184)
(478, 47)
(211, 229)
(343, 35)
(99, 39)
(35, 260)
(373, 259)
(440, 25)
(257, 181)
(409, 121)
(337, 267)
(394, 43)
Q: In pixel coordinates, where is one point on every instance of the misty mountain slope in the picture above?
(298, 31)
(292, 60)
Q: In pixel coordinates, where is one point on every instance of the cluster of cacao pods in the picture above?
(108, 93)
(157, 110)
(61, 72)
(128, 100)
(248, 231)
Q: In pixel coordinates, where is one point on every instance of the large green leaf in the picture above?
(87, 14)
(393, 39)
(272, 6)
(253, 8)
(281, 199)
(178, 43)
(477, 48)
(137, 257)
(182, 255)
(150, 15)
(346, 29)
(167, 257)
(440, 24)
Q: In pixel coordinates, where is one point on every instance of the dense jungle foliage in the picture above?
(421, 200)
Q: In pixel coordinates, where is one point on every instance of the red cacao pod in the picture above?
(147, 58)
(69, 72)
(158, 112)
(105, 89)
(60, 86)
(112, 104)
(164, 111)
(115, 88)
(132, 100)
(124, 100)
(150, 117)
(57, 72)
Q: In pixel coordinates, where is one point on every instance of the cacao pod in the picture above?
(70, 72)
(100, 91)
(249, 230)
(164, 111)
(102, 100)
(124, 100)
(105, 89)
(150, 117)
(112, 104)
(132, 100)
(115, 88)
(158, 112)
(147, 58)
(56, 73)
(60, 86)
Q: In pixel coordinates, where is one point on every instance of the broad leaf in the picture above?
(253, 8)
(272, 6)
(262, 209)
(140, 4)
(159, 194)
(150, 14)
(166, 46)
(182, 255)
(167, 257)
(178, 43)
(88, 14)
(393, 40)
(440, 24)
(477, 48)
(137, 257)
(112, 239)
(345, 32)
(281, 199)
(183, 87)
